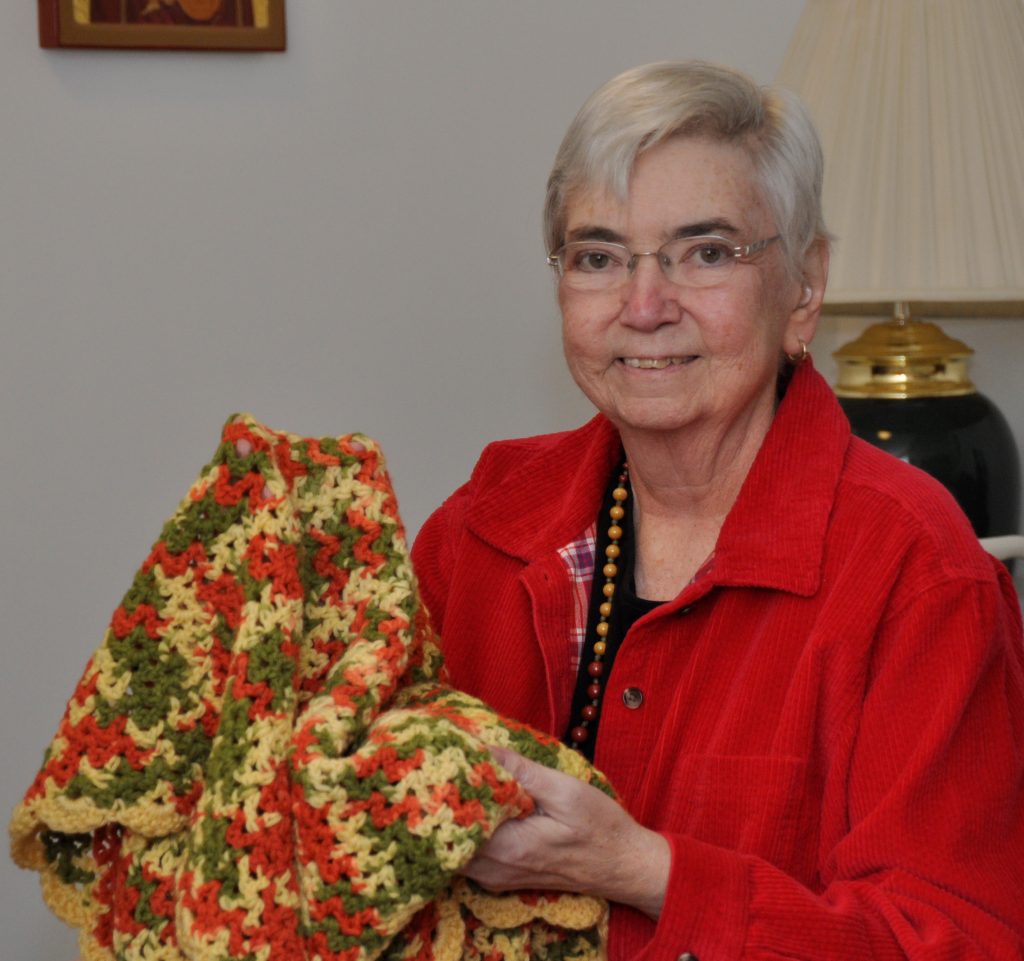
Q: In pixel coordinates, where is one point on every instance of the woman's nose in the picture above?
(650, 297)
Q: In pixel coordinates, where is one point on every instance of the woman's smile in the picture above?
(655, 363)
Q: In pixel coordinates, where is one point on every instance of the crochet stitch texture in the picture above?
(262, 760)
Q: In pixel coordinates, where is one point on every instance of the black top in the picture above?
(627, 608)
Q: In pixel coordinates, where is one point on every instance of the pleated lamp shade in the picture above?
(920, 107)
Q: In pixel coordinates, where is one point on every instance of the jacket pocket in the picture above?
(761, 806)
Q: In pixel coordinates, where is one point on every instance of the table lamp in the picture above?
(920, 107)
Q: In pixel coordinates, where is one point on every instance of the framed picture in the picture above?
(163, 24)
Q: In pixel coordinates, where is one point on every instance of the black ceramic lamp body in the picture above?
(964, 442)
(905, 389)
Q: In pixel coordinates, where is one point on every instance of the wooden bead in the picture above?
(589, 713)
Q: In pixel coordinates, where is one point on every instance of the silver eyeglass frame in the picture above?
(739, 252)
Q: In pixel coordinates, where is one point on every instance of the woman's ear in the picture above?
(803, 320)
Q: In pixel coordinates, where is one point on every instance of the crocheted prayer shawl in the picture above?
(261, 760)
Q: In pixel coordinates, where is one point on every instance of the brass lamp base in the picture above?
(904, 387)
(903, 358)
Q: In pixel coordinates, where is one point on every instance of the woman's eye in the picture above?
(710, 255)
(593, 261)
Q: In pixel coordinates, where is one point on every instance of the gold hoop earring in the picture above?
(797, 359)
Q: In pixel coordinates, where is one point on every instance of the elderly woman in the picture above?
(785, 649)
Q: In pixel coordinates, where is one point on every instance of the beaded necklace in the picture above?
(613, 563)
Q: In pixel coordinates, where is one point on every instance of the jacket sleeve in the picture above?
(928, 860)
(434, 552)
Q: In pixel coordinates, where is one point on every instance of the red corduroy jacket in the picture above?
(831, 734)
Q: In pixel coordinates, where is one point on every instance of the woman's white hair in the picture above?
(649, 104)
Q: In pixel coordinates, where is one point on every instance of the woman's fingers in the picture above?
(551, 790)
(579, 840)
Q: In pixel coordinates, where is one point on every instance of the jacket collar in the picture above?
(774, 536)
(539, 495)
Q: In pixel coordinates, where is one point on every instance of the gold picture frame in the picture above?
(163, 24)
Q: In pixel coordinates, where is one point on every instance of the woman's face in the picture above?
(652, 355)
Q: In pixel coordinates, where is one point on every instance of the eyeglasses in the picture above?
(706, 261)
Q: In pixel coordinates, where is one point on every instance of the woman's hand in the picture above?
(579, 840)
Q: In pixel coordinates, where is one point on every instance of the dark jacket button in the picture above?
(632, 697)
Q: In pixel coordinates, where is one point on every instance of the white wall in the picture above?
(344, 236)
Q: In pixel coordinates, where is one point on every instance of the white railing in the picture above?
(1005, 547)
